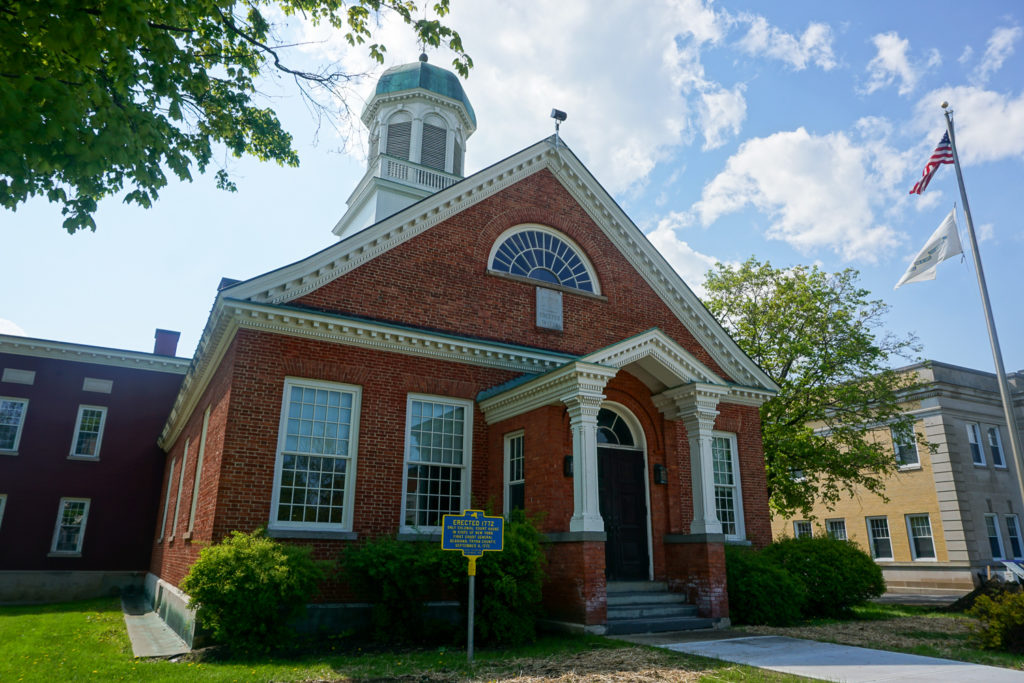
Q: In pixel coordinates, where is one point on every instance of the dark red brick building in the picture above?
(508, 338)
(80, 468)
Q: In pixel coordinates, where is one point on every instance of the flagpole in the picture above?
(1004, 387)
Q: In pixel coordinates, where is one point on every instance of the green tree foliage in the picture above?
(100, 96)
(248, 587)
(760, 591)
(818, 336)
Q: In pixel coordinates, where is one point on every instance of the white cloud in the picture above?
(966, 55)
(687, 261)
(722, 112)
(10, 327)
(813, 47)
(989, 125)
(997, 50)
(986, 231)
(891, 63)
(821, 191)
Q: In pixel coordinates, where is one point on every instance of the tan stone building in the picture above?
(953, 514)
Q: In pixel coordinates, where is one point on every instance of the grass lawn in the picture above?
(917, 630)
(87, 641)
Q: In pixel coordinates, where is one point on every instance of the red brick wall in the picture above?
(438, 280)
(698, 571)
(575, 587)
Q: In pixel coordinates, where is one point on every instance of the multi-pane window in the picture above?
(70, 531)
(974, 440)
(12, 417)
(1013, 534)
(181, 483)
(728, 504)
(906, 449)
(802, 529)
(995, 540)
(167, 502)
(922, 546)
(881, 541)
(836, 529)
(437, 460)
(315, 472)
(515, 480)
(542, 255)
(199, 471)
(995, 447)
(88, 432)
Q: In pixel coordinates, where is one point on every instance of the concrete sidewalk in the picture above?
(826, 661)
(150, 636)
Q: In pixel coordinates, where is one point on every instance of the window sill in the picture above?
(910, 468)
(549, 285)
(926, 559)
(979, 465)
(86, 458)
(63, 554)
(316, 534)
(883, 559)
(421, 535)
(2, 452)
(1000, 467)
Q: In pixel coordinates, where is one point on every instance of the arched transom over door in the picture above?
(622, 492)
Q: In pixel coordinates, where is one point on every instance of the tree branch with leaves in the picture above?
(821, 338)
(99, 97)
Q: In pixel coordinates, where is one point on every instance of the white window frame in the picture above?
(994, 518)
(348, 496)
(199, 472)
(830, 523)
(509, 438)
(897, 446)
(167, 501)
(871, 538)
(571, 243)
(741, 531)
(181, 482)
(1009, 536)
(467, 450)
(799, 524)
(996, 447)
(78, 430)
(19, 430)
(911, 537)
(81, 529)
(974, 439)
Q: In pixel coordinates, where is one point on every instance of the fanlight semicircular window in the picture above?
(541, 255)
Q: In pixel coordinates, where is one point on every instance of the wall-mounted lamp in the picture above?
(660, 474)
(567, 466)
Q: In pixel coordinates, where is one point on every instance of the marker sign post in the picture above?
(473, 533)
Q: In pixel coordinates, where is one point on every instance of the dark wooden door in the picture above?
(624, 508)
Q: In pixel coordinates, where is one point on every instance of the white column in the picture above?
(583, 409)
(416, 140)
(449, 151)
(696, 405)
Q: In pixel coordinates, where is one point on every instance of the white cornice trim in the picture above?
(680, 363)
(80, 353)
(233, 314)
(551, 388)
(378, 101)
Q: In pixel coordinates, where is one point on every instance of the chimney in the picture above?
(166, 343)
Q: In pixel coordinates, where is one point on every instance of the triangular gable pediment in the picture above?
(302, 277)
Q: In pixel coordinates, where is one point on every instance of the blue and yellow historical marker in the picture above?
(473, 533)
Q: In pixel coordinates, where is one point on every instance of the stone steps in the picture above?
(648, 607)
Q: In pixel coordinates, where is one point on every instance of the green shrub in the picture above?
(397, 578)
(836, 574)
(761, 592)
(1002, 622)
(248, 587)
(508, 585)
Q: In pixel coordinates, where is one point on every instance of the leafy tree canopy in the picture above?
(817, 335)
(98, 96)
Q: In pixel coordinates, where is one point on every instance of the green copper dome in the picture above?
(427, 76)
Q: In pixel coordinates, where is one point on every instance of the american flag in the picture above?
(943, 154)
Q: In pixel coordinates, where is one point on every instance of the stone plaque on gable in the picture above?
(549, 309)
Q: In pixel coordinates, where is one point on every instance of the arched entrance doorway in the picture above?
(622, 492)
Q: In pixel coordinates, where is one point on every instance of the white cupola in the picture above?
(419, 119)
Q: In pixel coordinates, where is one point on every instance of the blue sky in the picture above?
(789, 131)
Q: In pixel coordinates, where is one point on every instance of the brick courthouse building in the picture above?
(509, 339)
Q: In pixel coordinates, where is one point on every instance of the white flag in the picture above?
(943, 244)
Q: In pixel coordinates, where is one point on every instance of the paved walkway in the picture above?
(825, 661)
(150, 636)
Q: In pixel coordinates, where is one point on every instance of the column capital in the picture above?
(696, 404)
